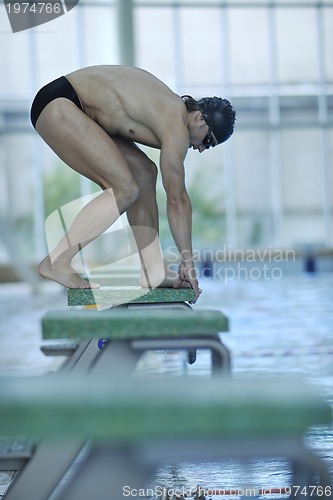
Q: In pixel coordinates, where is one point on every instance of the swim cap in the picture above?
(219, 115)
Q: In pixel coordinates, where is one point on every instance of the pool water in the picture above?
(277, 328)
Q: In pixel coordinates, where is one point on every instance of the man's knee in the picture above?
(144, 172)
(128, 192)
(131, 192)
(150, 175)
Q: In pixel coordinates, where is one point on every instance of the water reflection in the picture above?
(277, 328)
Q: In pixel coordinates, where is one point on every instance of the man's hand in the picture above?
(187, 276)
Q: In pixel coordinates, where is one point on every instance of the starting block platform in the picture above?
(123, 429)
(121, 295)
(126, 334)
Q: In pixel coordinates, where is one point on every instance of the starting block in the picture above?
(110, 296)
(126, 334)
(132, 320)
(124, 428)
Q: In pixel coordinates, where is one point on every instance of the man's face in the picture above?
(210, 140)
(200, 136)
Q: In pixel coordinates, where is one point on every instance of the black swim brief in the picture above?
(58, 88)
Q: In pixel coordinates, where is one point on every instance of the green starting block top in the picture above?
(115, 295)
(135, 410)
(121, 323)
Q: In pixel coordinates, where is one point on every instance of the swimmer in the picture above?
(94, 119)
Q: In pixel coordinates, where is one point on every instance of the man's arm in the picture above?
(179, 211)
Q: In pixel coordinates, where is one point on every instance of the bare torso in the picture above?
(128, 102)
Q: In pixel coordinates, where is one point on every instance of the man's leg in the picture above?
(142, 216)
(88, 149)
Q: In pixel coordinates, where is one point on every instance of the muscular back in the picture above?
(129, 102)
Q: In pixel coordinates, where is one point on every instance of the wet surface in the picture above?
(277, 327)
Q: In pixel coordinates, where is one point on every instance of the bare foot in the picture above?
(170, 283)
(151, 280)
(64, 275)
